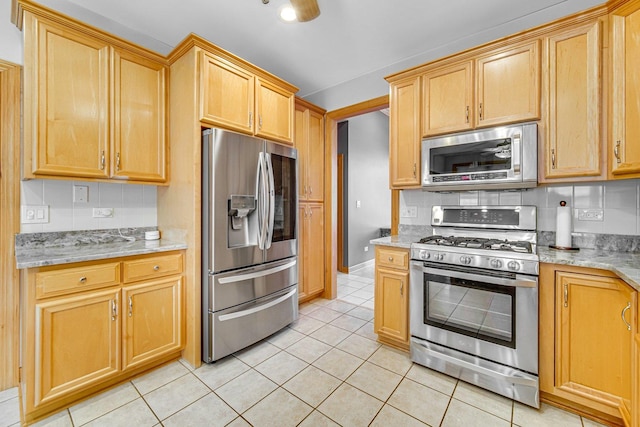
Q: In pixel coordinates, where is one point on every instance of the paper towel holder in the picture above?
(564, 248)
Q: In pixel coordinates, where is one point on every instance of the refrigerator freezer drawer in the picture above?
(239, 286)
(238, 327)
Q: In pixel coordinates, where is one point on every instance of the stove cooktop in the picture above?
(519, 246)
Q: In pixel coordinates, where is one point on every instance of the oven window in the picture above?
(484, 156)
(473, 308)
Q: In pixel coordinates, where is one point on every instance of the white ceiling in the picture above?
(349, 40)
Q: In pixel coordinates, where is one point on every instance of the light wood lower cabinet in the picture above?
(89, 325)
(311, 257)
(391, 302)
(587, 326)
(635, 387)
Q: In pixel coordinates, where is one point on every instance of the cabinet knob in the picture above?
(83, 279)
(390, 258)
(156, 267)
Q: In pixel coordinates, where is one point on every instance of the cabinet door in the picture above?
(447, 99)
(508, 85)
(301, 143)
(573, 143)
(315, 249)
(625, 46)
(139, 101)
(226, 94)
(315, 158)
(635, 392)
(152, 320)
(593, 339)
(404, 133)
(66, 101)
(391, 304)
(274, 108)
(79, 343)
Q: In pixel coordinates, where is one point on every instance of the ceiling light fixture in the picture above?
(287, 13)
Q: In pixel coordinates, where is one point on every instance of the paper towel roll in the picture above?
(563, 226)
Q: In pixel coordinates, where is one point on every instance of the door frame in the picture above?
(341, 267)
(331, 185)
(10, 84)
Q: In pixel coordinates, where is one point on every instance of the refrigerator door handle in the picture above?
(260, 194)
(262, 307)
(272, 201)
(256, 274)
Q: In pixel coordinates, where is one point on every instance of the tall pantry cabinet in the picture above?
(309, 141)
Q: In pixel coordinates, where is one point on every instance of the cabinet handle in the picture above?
(259, 121)
(83, 279)
(156, 267)
(624, 311)
(566, 295)
(414, 170)
(117, 161)
(401, 289)
(250, 118)
(102, 160)
(616, 151)
(114, 308)
(467, 114)
(310, 213)
(553, 158)
(310, 191)
(305, 212)
(130, 306)
(480, 111)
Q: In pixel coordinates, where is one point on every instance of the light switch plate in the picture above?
(409, 212)
(34, 214)
(80, 193)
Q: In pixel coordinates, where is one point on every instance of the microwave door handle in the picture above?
(515, 152)
(271, 200)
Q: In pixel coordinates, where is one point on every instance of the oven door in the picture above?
(492, 315)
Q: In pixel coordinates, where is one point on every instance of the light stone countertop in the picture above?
(42, 256)
(625, 264)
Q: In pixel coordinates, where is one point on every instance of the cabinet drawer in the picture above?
(148, 268)
(59, 282)
(393, 258)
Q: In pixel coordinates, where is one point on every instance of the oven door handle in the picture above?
(520, 281)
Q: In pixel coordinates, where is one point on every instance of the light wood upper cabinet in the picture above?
(391, 311)
(508, 85)
(309, 141)
(447, 99)
(404, 133)
(78, 339)
(66, 93)
(573, 64)
(152, 324)
(139, 135)
(237, 99)
(92, 109)
(624, 150)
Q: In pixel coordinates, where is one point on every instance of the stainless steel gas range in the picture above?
(474, 298)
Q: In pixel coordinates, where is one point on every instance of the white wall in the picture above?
(620, 201)
(10, 36)
(134, 205)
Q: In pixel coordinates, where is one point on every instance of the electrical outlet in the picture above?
(358, 204)
(103, 212)
(34, 214)
(366, 248)
(590, 215)
(409, 212)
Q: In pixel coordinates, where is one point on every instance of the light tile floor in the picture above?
(326, 369)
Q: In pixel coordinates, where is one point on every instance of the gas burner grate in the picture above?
(479, 243)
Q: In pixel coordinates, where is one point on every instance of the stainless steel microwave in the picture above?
(485, 159)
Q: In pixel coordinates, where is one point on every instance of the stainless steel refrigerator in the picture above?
(249, 241)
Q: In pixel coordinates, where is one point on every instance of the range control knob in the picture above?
(496, 263)
(424, 254)
(439, 257)
(513, 265)
(466, 260)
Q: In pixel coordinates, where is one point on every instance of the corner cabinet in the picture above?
(589, 317)
(235, 98)
(309, 141)
(404, 133)
(89, 325)
(625, 111)
(391, 304)
(92, 103)
(573, 143)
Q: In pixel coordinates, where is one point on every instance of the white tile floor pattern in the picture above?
(327, 369)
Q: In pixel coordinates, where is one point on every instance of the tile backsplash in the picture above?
(133, 205)
(619, 200)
